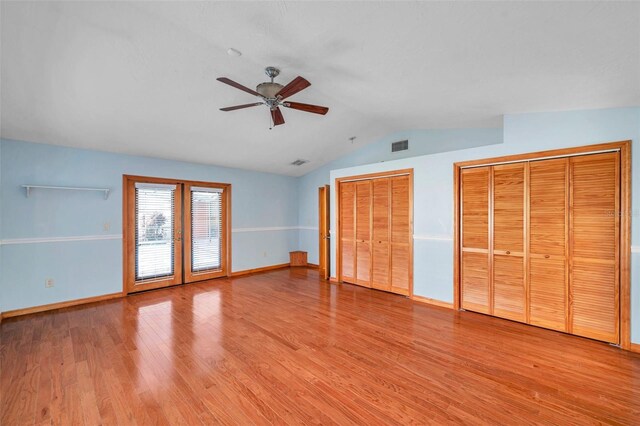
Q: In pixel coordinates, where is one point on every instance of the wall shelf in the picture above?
(28, 189)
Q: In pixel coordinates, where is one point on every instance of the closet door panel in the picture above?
(475, 239)
(380, 274)
(475, 282)
(400, 269)
(400, 234)
(509, 298)
(548, 233)
(381, 260)
(508, 288)
(508, 208)
(400, 226)
(548, 189)
(363, 233)
(363, 263)
(475, 207)
(547, 297)
(594, 200)
(594, 285)
(347, 231)
(594, 300)
(348, 266)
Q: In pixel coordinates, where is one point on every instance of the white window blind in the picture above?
(206, 229)
(154, 230)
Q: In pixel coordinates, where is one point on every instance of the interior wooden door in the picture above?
(474, 271)
(152, 233)
(381, 247)
(401, 234)
(347, 223)
(205, 231)
(594, 241)
(363, 232)
(324, 266)
(548, 241)
(509, 202)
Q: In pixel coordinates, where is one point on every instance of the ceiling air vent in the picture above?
(299, 162)
(400, 146)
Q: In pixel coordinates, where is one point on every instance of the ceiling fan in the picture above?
(273, 95)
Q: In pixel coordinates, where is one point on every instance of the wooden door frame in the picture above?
(128, 222)
(390, 173)
(324, 245)
(624, 147)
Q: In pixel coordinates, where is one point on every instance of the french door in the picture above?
(175, 232)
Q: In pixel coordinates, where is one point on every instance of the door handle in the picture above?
(508, 252)
(546, 256)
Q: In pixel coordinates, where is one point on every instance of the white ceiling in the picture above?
(139, 77)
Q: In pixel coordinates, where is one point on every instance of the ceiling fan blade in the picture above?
(233, 108)
(296, 85)
(276, 114)
(306, 107)
(232, 83)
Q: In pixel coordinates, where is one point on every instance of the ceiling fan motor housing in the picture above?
(269, 90)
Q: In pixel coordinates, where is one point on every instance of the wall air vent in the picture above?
(299, 162)
(400, 146)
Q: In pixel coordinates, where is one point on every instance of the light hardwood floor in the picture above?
(285, 347)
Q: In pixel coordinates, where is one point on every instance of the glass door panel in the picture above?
(205, 233)
(153, 238)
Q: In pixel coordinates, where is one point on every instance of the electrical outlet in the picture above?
(106, 226)
(264, 254)
(48, 283)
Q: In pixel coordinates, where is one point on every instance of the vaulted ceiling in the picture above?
(139, 77)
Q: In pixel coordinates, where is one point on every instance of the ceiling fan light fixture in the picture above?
(269, 90)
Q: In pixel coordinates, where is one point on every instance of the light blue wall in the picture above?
(1, 250)
(260, 200)
(421, 142)
(90, 268)
(433, 187)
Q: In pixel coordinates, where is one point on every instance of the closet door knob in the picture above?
(508, 252)
(546, 256)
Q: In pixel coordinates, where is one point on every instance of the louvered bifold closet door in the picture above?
(363, 233)
(509, 191)
(401, 234)
(205, 233)
(548, 240)
(381, 247)
(348, 231)
(594, 241)
(474, 189)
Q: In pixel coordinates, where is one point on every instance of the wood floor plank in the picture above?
(284, 347)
